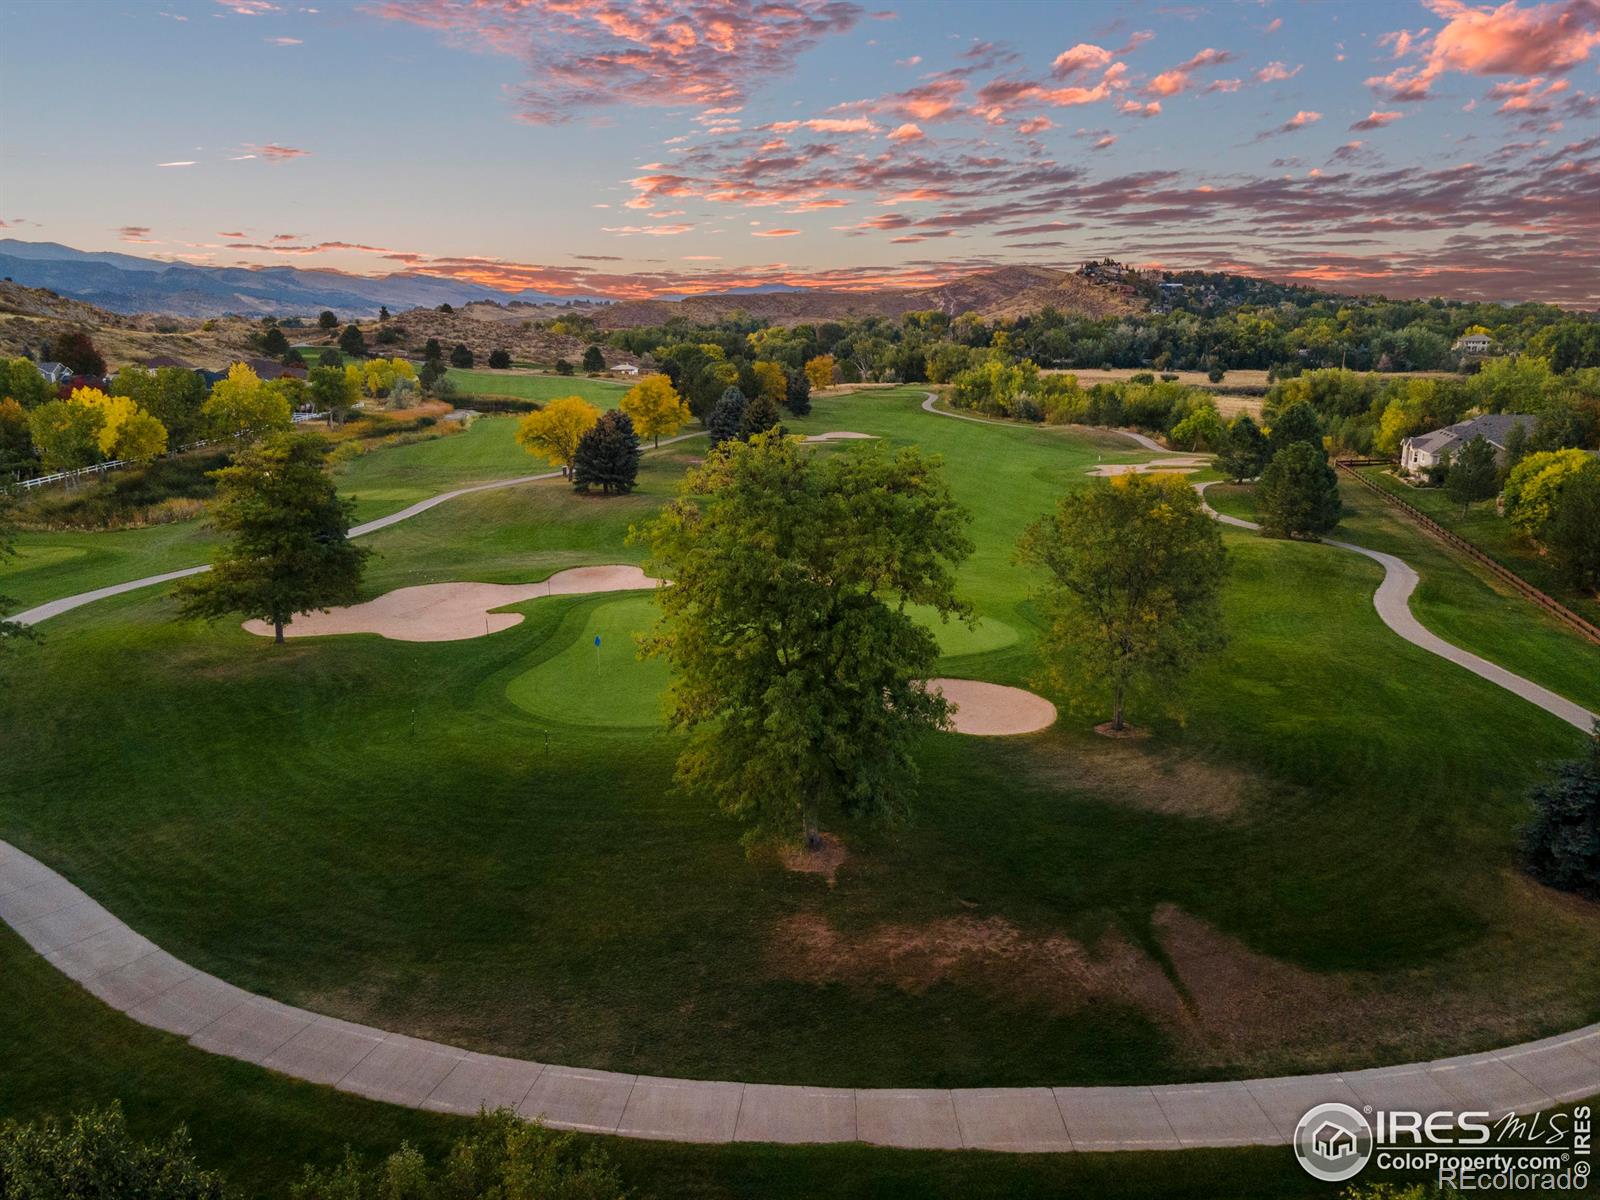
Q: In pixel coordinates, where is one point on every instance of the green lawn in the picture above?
(52, 564)
(392, 477)
(1323, 811)
(1492, 534)
(1459, 600)
(607, 393)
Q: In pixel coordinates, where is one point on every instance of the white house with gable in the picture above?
(1427, 450)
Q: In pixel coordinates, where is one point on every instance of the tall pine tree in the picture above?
(608, 456)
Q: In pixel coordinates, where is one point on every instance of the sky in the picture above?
(639, 147)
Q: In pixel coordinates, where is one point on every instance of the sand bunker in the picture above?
(1175, 466)
(450, 612)
(842, 435)
(991, 710)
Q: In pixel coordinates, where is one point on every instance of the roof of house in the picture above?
(1493, 428)
(52, 368)
(269, 369)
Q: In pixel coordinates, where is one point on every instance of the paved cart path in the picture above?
(135, 976)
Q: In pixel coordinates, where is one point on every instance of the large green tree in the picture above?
(1572, 534)
(1299, 493)
(1135, 573)
(797, 669)
(94, 1154)
(287, 549)
(1297, 423)
(726, 420)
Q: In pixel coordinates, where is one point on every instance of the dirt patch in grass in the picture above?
(1122, 771)
(825, 859)
(989, 953)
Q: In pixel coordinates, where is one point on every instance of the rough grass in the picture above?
(560, 901)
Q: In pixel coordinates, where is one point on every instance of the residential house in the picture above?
(55, 372)
(1473, 343)
(268, 369)
(624, 369)
(1420, 454)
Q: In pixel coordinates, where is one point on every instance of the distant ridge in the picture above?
(124, 283)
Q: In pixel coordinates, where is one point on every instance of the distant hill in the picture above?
(123, 283)
(1002, 292)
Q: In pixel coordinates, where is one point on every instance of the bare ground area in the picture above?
(1125, 772)
(1229, 1007)
(993, 710)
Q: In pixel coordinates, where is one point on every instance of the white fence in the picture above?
(77, 473)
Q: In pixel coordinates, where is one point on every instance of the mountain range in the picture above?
(125, 283)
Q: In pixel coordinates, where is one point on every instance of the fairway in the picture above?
(500, 857)
(526, 385)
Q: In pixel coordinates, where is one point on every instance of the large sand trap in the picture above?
(1176, 466)
(842, 435)
(450, 612)
(991, 710)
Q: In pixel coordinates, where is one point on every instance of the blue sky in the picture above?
(633, 146)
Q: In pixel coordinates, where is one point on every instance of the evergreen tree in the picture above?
(461, 356)
(1297, 423)
(330, 358)
(727, 417)
(1245, 454)
(797, 397)
(760, 415)
(432, 352)
(1472, 474)
(327, 320)
(1299, 493)
(383, 313)
(273, 343)
(351, 341)
(608, 455)
(499, 360)
(593, 359)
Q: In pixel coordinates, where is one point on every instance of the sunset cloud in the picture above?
(1299, 121)
(1375, 120)
(1541, 39)
(769, 233)
(906, 133)
(585, 55)
(1180, 78)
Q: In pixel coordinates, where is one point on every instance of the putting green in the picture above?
(955, 639)
(585, 684)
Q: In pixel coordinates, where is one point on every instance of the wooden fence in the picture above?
(1552, 606)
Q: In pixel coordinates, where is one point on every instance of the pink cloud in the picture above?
(825, 125)
(766, 233)
(907, 133)
(1274, 72)
(1299, 121)
(1375, 120)
(1082, 58)
(1542, 39)
(1178, 79)
(584, 55)
(1134, 109)
(1035, 125)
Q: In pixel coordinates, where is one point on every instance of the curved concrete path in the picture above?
(135, 976)
(54, 608)
(1392, 600)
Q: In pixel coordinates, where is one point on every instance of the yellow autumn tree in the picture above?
(125, 431)
(242, 406)
(655, 408)
(771, 382)
(820, 370)
(382, 374)
(553, 433)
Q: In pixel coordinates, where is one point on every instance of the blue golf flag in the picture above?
(597, 641)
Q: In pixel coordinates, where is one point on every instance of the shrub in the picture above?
(502, 1157)
(499, 360)
(1142, 377)
(95, 1156)
(461, 356)
(1216, 374)
(1561, 845)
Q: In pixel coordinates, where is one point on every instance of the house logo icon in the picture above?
(1333, 1142)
